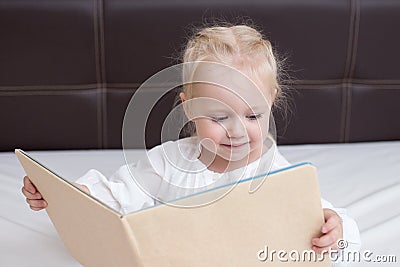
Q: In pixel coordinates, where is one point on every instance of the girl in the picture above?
(230, 84)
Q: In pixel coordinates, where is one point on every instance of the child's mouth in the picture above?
(234, 146)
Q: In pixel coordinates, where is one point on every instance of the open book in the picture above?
(240, 229)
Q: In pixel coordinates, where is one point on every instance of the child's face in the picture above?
(232, 123)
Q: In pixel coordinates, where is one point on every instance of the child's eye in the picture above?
(219, 118)
(254, 116)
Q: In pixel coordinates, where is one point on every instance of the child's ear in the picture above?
(274, 94)
(182, 96)
(185, 108)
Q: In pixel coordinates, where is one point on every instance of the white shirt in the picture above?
(173, 170)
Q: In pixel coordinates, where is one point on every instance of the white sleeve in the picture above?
(98, 187)
(280, 161)
(351, 235)
(122, 191)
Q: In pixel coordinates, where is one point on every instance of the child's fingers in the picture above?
(332, 220)
(29, 195)
(320, 250)
(327, 240)
(332, 231)
(29, 186)
(33, 197)
(35, 208)
(35, 203)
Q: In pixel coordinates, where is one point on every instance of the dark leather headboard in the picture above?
(69, 68)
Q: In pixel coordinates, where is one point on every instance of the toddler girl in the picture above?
(230, 85)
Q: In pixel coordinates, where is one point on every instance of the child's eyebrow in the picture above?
(224, 107)
(218, 110)
(258, 108)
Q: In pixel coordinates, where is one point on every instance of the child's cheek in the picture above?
(255, 132)
(218, 132)
(211, 130)
(260, 130)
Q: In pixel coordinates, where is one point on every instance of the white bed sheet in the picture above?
(362, 177)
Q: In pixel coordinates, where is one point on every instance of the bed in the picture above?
(68, 70)
(364, 178)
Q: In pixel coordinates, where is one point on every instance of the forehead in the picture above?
(215, 97)
(234, 89)
(244, 80)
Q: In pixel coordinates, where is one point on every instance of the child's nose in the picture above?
(236, 129)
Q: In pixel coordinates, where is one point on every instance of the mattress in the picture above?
(364, 178)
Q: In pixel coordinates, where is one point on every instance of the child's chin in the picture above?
(236, 157)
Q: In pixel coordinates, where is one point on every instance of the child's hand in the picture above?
(33, 197)
(332, 231)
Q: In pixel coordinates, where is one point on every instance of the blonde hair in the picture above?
(234, 45)
(238, 45)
